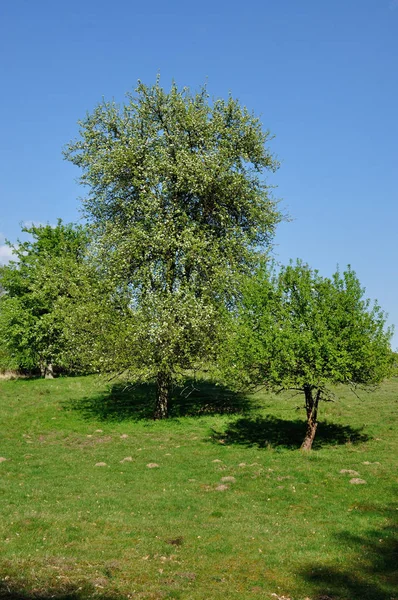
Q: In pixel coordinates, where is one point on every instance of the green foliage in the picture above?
(45, 273)
(179, 207)
(298, 330)
(395, 364)
(98, 323)
(7, 361)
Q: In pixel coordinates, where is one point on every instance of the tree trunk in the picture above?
(163, 386)
(46, 370)
(49, 371)
(311, 406)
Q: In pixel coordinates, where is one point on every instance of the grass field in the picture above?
(231, 510)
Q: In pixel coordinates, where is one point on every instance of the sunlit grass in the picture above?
(287, 523)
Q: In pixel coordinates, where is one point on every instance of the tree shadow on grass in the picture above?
(271, 431)
(192, 399)
(371, 575)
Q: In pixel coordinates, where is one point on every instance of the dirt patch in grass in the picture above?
(10, 375)
(83, 442)
(222, 487)
(348, 472)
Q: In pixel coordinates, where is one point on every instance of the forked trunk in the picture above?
(163, 386)
(47, 370)
(311, 406)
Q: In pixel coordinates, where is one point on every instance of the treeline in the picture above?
(63, 311)
(172, 273)
(57, 305)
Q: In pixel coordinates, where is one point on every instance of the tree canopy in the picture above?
(43, 275)
(298, 330)
(180, 209)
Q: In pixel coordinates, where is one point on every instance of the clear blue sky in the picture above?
(322, 75)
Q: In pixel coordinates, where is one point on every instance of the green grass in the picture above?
(290, 524)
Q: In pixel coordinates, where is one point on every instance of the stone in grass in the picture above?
(152, 465)
(2, 459)
(229, 479)
(127, 459)
(217, 460)
(100, 464)
(357, 481)
(348, 472)
(222, 487)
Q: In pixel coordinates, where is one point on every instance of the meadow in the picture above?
(99, 501)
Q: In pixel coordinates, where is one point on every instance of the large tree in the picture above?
(44, 275)
(297, 330)
(180, 208)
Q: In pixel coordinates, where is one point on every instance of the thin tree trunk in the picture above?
(49, 371)
(46, 370)
(163, 386)
(311, 406)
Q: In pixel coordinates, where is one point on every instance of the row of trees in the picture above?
(171, 272)
(42, 275)
(59, 312)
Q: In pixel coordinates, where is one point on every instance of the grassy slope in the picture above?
(290, 525)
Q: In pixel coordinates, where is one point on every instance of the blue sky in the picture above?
(322, 75)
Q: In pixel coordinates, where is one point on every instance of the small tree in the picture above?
(43, 275)
(297, 330)
(180, 209)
